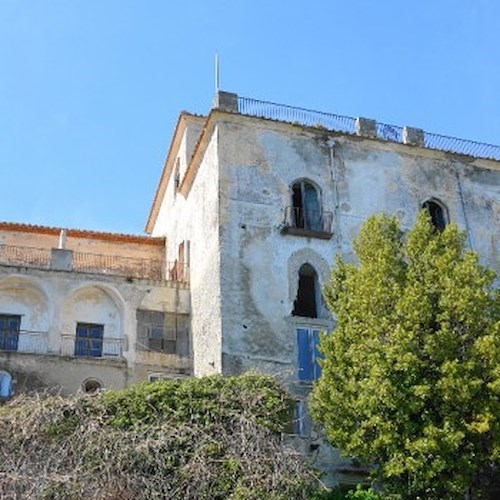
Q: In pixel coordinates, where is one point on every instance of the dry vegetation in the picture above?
(198, 438)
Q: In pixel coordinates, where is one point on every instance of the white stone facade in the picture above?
(235, 205)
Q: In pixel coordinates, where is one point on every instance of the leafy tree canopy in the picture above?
(411, 375)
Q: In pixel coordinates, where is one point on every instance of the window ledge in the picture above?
(308, 233)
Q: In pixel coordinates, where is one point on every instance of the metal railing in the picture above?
(74, 346)
(300, 219)
(31, 342)
(83, 262)
(25, 256)
(177, 271)
(284, 113)
(117, 265)
(347, 124)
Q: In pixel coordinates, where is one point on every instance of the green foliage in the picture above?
(200, 401)
(360, 493)
(411, 376)
(212, 438)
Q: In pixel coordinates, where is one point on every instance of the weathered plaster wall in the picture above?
(195, 218)
(51, 303)
(260, 160)
(62, 375)
(260, 265)
(258, 163)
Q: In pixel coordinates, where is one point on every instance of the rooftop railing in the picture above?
(117, 265)
(25, 256)
(83, 262)
(347, 124)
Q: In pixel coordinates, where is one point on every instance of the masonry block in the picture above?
(226, 101)
(61, 259)
(413, 136)
(366, 127)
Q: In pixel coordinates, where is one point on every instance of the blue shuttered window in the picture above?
(9, 332)
(308, 354)
(89, 340)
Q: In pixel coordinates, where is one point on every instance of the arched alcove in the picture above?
(25, 315)
(92, 322)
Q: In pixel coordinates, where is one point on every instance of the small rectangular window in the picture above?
(10, 326)
(88, 340)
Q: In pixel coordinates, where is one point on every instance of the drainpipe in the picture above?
(466, 221)
(331, 146)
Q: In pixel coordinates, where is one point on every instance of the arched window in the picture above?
(437, 212)
(306, 303)
(5, 385)
(306, 206)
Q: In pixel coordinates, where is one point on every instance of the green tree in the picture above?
(411, 374)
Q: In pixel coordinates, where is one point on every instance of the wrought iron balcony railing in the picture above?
(74, 346)
(303, 222)
(24, 341)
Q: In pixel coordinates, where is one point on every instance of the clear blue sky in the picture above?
(90, 90)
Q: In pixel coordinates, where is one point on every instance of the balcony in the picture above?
(24, 341)
(83, 262)
(30, 342)
(72, 346)
(310, 223)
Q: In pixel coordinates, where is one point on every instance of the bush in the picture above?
(202, 438)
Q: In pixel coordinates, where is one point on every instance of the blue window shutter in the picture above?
(96, 345)
(316, 354)
(81, 345)
(304, 352)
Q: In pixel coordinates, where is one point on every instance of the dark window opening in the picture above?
(437, 214)
(91, 385)
(177, 175)
(10, 326)
(306, 303)
(306, 208)
(88, 340)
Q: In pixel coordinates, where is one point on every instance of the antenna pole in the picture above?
(216, 72)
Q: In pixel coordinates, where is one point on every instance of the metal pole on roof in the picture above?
(216, 72)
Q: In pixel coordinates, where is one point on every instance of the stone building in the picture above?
(259, 198)
(81, 310)
(253, 203)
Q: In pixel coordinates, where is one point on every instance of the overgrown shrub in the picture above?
(202, 438)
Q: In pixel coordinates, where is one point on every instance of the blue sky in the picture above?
(90, 90)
